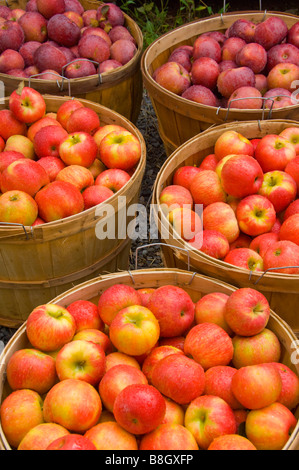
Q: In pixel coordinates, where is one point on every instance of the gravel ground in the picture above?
(149, 257)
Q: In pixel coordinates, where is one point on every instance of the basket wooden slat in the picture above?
(180, 119)
(282, 290)
(120, 89)
(195, 284)
(40, 262)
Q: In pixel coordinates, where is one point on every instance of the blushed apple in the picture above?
(173, 77)
(71, 442)
(218, 383)
(116, 379)
(32, 369)
(241, 175)
(18, 207)
(173, 196)
(231, 442)
(41, 436)
(27, 104)
(206, 188)
(211, 242)
(73, 404)
(66, 109)
(261, 348)
(255, 215)
(20, 411)
(86, 315)
(10, 125)
(183, 176)
(48, 139)
(52, 166)
(199, 341)
(83, 119)
(283, 76)
(111, 436)
(270, 427)
(245, 258)
(289, 395)
(282, 257)
(78, 175)
(22, 144)
(116, 298)
(292, 135)
(261, 243)
(291, 210)
(232, 142)
(221, 217)
(192, 378)
(245, 97)
(208, 417)
(185, 222)
(173, 308)
(247, 311)
(155, 355)
(120, 149)
(24, 175)
(8, 157)
(280, 188)
(211, 308)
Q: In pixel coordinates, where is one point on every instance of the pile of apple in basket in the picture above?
(149, 369)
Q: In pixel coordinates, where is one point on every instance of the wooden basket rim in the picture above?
(255, 276)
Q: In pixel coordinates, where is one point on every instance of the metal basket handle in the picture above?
(83, 59)
(19, 225)
(60, 87)
(272, 269)
(263, 98)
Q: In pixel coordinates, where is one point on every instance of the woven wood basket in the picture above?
(180, 119)
(120, 89)
(195, 284)
(38, 263)
(281, 290)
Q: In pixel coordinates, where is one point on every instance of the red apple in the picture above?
(11, 35)
(261, 243)
(289, 229)
(277, 98)
(270, 32)
(10, 125)
(113, 178)
(94, 195)
(292, 135)
(20, 411)
(95, 336)
(184, 175)
(52, 166)
(252, 55)
(8, 157)
(181, 56)
(78, 148)
(27, 104)
(66, 109)
(229, 80)
(58, 200)
(231, 47)
(192, 378)
(282, 53)
(123, 50)
(209, 162)
(41, 436)
(282, 257)
(245, 97)
(49, 327)
(72, 442)
(208, 417)
(32, 369)
(205, 71)
(17, 207)
(89, 355)
(120, 149)
(206, 188)
(77, 175)
(292, 169)
(108, 65)
(168, 436)
(80, 68)
(39, 124)
(116, 358)
(116, 298)
(292, 209)
(219, 383)
(292, 36)
(173, 308)
(261, 84)
(93, 47)
(206, 46)
(173, 77)
(221, 217)
(211, 308)
(83, 119)
(139, 408)
(73, 404)
(134, 330)
(255, 215)
(34, 26)
(24, 175)
(209, 345)
(280, 188)
(283, 76)
(232, 142)
(116, 379)
(270, 427)
(155, 355)
(242, 28)
(49, 10)
(247, 311)
(243, 241)
(48, 139)
(241, 176)
(257, 386)
(86, 315)
(289, 395)
(22, 144)
(261, 348)
(63, 30)
(245, 258)
(211, 242)
(11, 60)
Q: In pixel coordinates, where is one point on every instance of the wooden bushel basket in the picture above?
(195, 284)
(281, 290)
(180, 119)
(38, 263)
(120, 89)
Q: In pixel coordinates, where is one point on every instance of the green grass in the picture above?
(155, 20)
